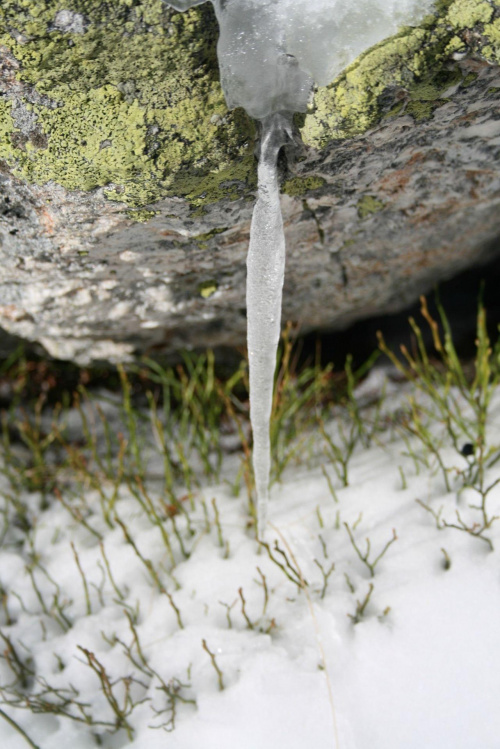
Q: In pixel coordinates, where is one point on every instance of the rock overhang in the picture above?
(115, 139)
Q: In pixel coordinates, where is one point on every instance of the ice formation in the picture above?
(265, 275)
(270, 54)
(271, 51)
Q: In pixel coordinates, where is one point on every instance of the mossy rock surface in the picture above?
(127, 186)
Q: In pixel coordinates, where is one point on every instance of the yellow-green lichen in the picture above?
(368, 205)
(207, 288)
(133, 103)
(104, 144)
(467, 13)
(141, 215)
(350, 105)
(5, 121)
(415, 61)
(129, 98)
(492, 34)
(301, 185)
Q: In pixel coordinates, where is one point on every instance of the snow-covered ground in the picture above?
(307, 653)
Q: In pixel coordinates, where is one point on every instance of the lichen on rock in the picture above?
(301, 185)
(126, 94)
(368, 205)
(126, 186)
(467, 13)
(407, 72)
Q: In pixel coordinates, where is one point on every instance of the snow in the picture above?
(421, 667)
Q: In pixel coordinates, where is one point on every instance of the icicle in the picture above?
(270, 52)
(265, 275)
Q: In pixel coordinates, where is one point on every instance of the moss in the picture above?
(427, 95)
(231, 179)
(301, 185)
(209, 234)
(469, 79)
(207, 288)
(420, 110)
(394, 111)
(202, 239)
(433, 86)
(368, 205)
(133, 103)
(414, 60)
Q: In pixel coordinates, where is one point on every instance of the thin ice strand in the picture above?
(265, 275)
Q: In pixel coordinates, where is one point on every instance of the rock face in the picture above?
(126, 188)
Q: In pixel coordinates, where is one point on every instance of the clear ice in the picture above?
(265, 276)
(270, 54)
(271, 51)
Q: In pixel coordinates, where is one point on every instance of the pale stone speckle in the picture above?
(129, 257)
(150, 324)
(119, 310)
(69, 22)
